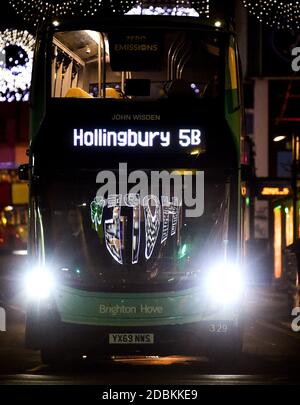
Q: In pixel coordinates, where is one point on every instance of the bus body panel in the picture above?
(115, 309)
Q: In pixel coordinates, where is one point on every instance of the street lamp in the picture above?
(279, 138)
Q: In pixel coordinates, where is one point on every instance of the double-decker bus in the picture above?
(119, 265)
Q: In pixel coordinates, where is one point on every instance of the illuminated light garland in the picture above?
(15, 80)
(34, 10)
(192, 8)
(276, 13)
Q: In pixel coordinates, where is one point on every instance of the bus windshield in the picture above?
(124, 250)
(136, 64)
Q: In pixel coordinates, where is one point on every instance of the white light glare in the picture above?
(19, 252)
(225, 284)
(279, 138)
(39, 284)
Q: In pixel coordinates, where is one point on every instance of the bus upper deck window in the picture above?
(135, 66)
(77, 58)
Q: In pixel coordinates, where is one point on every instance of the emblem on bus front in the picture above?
(153, 218)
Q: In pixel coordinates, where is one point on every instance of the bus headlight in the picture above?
(39, 284)
(224, 284)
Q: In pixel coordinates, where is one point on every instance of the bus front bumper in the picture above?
(192, 338)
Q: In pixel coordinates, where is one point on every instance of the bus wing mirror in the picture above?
(23, 172)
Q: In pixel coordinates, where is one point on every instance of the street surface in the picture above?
(270, 355)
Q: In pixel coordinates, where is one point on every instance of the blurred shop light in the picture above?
(275, 191)
(288, 225)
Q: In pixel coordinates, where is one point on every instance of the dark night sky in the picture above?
(9, 18)
(7, 15)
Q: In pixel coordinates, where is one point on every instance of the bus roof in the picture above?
(137, 21)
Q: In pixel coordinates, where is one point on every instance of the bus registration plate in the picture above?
(131, 338)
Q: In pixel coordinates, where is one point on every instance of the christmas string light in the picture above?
(276, 13)
(192, 8)
(34, 10)
(122, 6)
(15, 73)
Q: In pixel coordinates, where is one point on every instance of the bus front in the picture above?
(135, 233)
